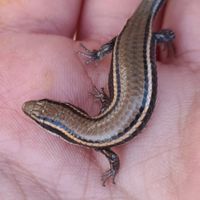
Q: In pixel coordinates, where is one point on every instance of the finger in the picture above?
(40, 16)
(102, 20)
(183, 17)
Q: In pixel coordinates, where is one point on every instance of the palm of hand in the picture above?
(161, 163)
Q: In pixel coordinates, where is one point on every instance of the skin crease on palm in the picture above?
(38, 60)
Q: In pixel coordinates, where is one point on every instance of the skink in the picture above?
(132, 88)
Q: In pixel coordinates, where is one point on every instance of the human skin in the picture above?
(38, 60)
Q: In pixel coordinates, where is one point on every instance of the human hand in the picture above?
(39, 60)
